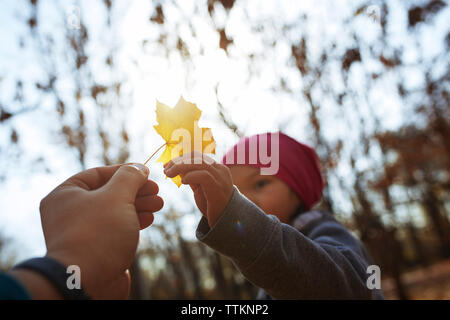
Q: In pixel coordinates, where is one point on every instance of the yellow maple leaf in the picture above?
(179, 127)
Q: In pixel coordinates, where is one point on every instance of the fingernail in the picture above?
(143, 169)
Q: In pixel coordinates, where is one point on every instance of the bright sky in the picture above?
(153, 77)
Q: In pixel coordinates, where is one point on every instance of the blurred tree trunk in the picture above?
(439, 222)
(217, 269)
(422, 255)
(382, 242)
(191, 266)
(139, 288)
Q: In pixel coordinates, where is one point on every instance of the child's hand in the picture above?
(211, 182)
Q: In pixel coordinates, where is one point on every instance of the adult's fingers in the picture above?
(145, 219)
(151, 203)
(95, 178)
(149, 188)
(127, 181)
(92, 178)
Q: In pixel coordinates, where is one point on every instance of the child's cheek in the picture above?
(268, 201)
(275, 201)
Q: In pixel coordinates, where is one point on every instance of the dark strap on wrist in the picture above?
(56, 273)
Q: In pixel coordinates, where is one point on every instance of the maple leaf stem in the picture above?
(154, 153)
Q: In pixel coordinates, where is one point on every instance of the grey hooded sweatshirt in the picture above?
(314, 258)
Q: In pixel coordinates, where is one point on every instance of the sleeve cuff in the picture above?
(242, 231)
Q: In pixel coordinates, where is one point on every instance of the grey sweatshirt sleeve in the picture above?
(328, 264)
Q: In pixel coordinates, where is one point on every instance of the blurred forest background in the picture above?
(364, 82)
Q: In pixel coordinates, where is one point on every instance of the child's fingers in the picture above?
(150, 203)
(183, 168)
(203, 178)
(188, 158)
(206, 187)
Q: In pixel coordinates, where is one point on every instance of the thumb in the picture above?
(127, 180)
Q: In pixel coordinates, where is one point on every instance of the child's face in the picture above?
(269, 193)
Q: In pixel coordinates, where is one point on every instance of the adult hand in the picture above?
(93, 220)
(210, 181)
